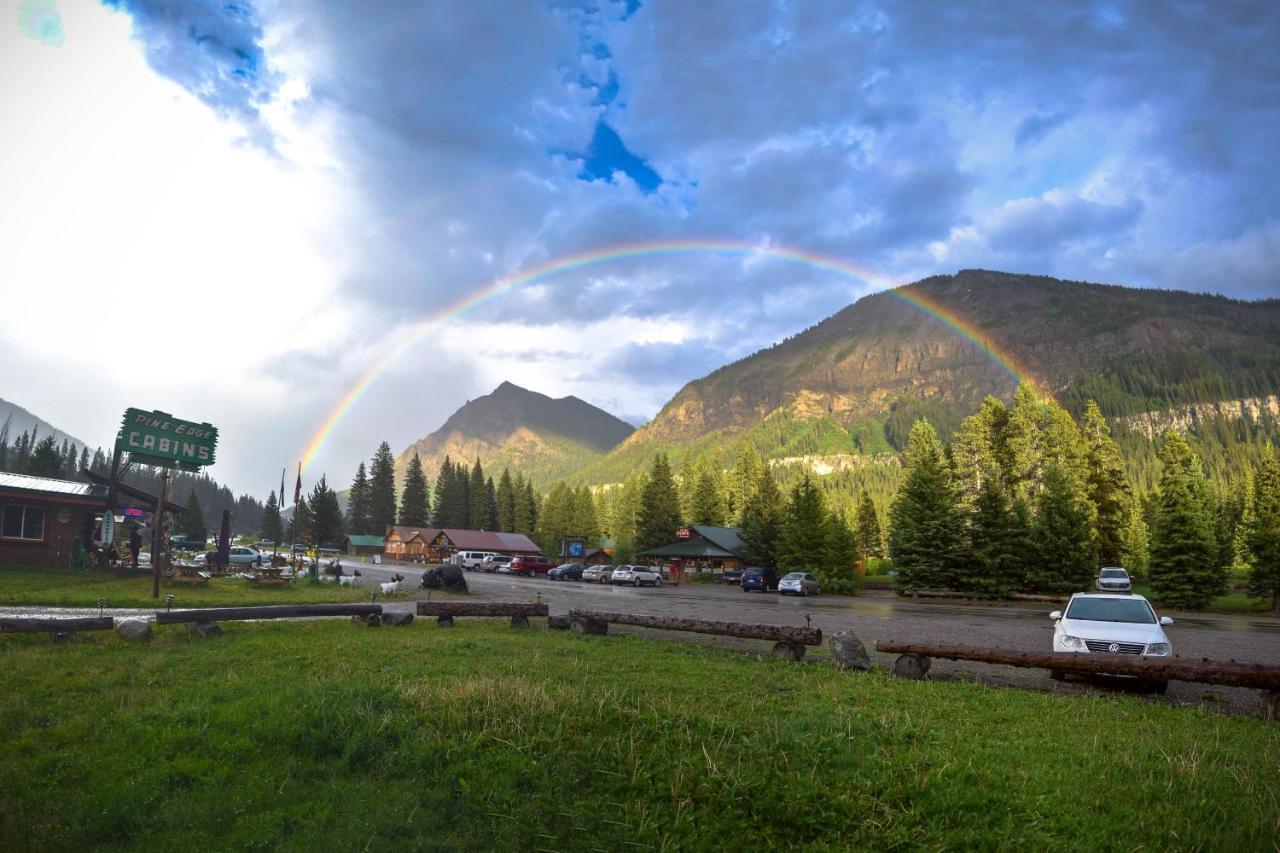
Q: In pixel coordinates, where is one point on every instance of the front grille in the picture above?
(1104, 647)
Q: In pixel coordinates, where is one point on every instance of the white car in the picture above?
(597, 574)
(1098, 623)
(799, 583)
(495, 563)
(636, 576)
(471, 560)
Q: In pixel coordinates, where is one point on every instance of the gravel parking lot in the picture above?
(883, 616)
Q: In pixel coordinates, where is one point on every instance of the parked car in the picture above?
(597, 574)
(754, 579)
(471, 560)
(1113, 579)
(240, 556)
(636, 576)
(1097, 623)
(566, 572)
(182, 543)
(530, 565)
(799, 583)
(733, 576)
(496, 563)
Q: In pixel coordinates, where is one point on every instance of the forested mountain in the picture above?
(544, 438)
(845, 392)
(20, 420)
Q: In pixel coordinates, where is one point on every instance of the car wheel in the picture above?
(657, 582)
(636, 582)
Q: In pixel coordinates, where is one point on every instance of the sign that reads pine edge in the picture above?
(158, 438)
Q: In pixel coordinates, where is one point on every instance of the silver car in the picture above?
(799, 583)
(1113, 579)
(636, 576)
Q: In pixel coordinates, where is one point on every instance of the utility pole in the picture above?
(157, 535)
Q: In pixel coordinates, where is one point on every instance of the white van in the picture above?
(471, 560)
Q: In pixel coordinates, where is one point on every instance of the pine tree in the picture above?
(382, 490)
(1184, 553)
(1241, 555)
(975, 452)
(555, 521)
(271, 527)
(1024, 442)
(193, 524)
(325, 515)
(586, 522)
(805, 524)
(477, 505)
(1264, 531)
(46, 459)
(994, 545)
(659, 515)
(532, 500)
(742, 484)
(506, 500)
(1135, 553)
(441, 512)
(523, 508)
(358, 508)
(83, 464)
(926, 527)
(686, 480)
(762, 518)
(4, 441)
(1108, 487)
(839, 551)
(708, 505)
(868, 540)
(490, 505)
(1067, 552)
(415, 502)
(300, 531)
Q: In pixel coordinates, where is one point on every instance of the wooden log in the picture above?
(913, 667)
(270, 611)
(37, 625)
(745, 630)
(1225, 673)
(481, 608)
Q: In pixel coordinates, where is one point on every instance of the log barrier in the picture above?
(270, 611)
(37, 625)
(789, 640)
(445, 611)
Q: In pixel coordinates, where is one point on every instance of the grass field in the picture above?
(327, 735)
(82, 588)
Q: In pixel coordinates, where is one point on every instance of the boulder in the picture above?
(559, 623)
(913, 667)
(448, 578)
(848, 652)
(134, 629)
(397, 617)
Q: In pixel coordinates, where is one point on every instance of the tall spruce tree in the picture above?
(300, 530)
(325, 515)
(1185, 568)
(532, 500)
(926, 527)
(523, 512)
(358, 508)
(1066, 550)
(762, 518)
(1108, 486)
(46, 459)
(272, 530)
(556, 520)
(707, 503)
(193, 523)
(490, 505)
(1020, 452)
(506, 499)
(742, 483)
(868, 540)
(1135, 552)
(477, 503)
(382, 490)
(440, 509)
(976, 451)
(586, 521)
(659, 515)
(994, 545)
(415, 500)
(1264, 531)
(802, 537)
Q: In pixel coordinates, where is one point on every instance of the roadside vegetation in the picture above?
(325, 735)
(28, 586)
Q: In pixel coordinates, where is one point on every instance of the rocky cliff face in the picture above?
(1190, 416)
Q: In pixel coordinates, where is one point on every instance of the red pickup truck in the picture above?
(531, 565)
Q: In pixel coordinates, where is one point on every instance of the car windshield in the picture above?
(1111, 610)
(794, 576)
(1113, 573)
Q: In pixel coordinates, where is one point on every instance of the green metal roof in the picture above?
(361, 541)
(691, 548)
(47, 486)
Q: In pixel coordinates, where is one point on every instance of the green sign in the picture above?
(158, 438)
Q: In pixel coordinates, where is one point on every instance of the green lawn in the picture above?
(83, 588)
(328, 735)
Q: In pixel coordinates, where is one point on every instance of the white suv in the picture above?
(471, 560)
(636, 576)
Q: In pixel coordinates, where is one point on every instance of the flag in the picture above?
(297, 490)
(281, 492)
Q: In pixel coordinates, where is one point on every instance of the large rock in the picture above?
(848, 652)
(448, 578)
(134, 629)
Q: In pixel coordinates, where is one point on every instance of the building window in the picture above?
(22, 522)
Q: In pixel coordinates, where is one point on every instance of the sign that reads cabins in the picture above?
(158, 438)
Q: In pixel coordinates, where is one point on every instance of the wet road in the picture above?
(874, 617)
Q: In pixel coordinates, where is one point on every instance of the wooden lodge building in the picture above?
(437, 545)
(700, 547)
(363, 546)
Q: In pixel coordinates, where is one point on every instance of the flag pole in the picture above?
(275, 551)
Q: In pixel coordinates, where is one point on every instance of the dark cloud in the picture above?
(1036, 125)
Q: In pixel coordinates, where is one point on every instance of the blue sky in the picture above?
(405, 154)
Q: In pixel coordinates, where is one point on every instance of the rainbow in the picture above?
(406, 340)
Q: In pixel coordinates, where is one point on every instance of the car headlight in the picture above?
(1158, 649)
(1070, 642)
